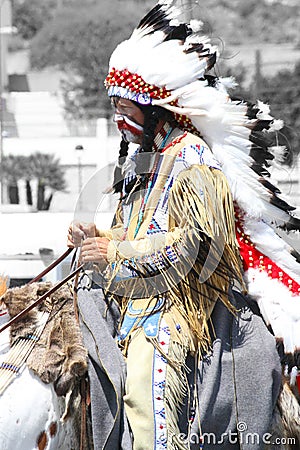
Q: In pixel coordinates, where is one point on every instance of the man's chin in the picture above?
(130, 137)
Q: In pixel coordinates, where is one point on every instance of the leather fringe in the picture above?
(208, 260)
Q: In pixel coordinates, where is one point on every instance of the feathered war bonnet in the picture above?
(166, 62)
(161, 56)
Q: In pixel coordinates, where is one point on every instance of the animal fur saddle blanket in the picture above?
(58, 356)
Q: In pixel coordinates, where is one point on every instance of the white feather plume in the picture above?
(279, 152)
(264, 111)
(278, 306)
(276, 125)
(226, 128)
(196, 25)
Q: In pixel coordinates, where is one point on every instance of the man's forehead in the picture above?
(122, 102)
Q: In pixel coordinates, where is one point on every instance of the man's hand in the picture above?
(77, 232)
(94, 249)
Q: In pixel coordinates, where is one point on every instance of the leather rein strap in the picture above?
(52, 265)
(48, 293)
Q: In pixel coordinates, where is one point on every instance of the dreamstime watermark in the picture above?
(241, 436)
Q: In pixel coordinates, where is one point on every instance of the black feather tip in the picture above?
(157, 19)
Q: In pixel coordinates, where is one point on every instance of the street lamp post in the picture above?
(79, 150)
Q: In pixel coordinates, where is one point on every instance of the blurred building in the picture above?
(5, 32)
(34, 121)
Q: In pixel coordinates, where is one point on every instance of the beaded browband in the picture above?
(123, 80)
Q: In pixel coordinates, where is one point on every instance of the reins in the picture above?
(48, 293)
(52, 265)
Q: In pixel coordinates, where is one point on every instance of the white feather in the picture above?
(278, 306)
(196, 25)
(279, 152)
(174, 23)
(227, 83)
(264, 111)
(276, 125)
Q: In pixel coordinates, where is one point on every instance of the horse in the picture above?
(40, 402)
(42, 365)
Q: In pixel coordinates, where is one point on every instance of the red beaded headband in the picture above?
(135, 83)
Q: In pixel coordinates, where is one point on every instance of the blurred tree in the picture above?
(29, 16)
(50, 176)
(79, 41)
(13, 168)
(44, 168)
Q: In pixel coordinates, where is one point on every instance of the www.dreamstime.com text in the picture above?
(241, 436)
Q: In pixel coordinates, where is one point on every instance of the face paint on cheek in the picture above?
(125, 124)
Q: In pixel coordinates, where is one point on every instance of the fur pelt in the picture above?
(59, 356)
(289, 408)
(285, 429)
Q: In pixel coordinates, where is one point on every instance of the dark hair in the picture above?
(118, 177)
(152, 115)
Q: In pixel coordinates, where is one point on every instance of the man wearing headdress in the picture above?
(187, 244)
